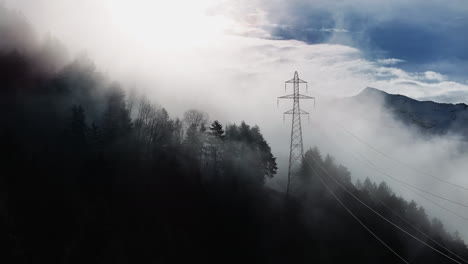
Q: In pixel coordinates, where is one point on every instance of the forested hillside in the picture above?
(93, 174)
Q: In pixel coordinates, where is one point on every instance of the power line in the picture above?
(401, 162)
(358, 220)
(443, 138)
(407, 185)
(410, 185)
(373, 167)
(429, 200)
(407, 222)
(442, 207)
(419, 230)
(380, 215)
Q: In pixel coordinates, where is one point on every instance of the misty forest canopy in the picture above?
(93, 173)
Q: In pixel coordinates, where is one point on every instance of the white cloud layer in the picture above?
(390, 62)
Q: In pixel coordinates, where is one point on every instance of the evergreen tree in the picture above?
(359, 185)
(215, 147)
(162, 131)
(245, 134)
(95, 138)
(268, 161)
(77, 129)
(383, 192)
(216, 130)
(117, 122)
(178, 132)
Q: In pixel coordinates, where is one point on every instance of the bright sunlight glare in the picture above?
(168, 25)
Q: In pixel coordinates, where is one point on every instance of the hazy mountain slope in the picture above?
(431, 117)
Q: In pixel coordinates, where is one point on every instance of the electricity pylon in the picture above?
(296, 150)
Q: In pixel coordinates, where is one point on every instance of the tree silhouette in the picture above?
(77, 130)
(216, 130)
(117, 122)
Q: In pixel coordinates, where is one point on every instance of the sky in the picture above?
(230, 58)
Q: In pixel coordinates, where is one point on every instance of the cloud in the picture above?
(390, 62)
(434, 76)
(424, 34)
(338, 30)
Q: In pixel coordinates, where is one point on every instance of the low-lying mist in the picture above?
(364, 132)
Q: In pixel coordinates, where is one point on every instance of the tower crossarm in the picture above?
(296, 81)
(295, 97)
(293, 79)
(299, 96)
(291, 112)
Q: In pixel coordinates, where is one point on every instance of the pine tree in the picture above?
(216, 130)
(162, 131)
(215, 146)
(95, 138)
(268, 161)
(117, 122)
(178, 132)
(369, 186)
(359, 185)
(232, 132)
(383, 192)
(77, 129)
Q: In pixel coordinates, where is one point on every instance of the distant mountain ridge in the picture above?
(431, 117)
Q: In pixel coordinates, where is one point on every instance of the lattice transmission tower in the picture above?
(296, 150)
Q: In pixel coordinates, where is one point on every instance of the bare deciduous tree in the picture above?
(195, 118)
